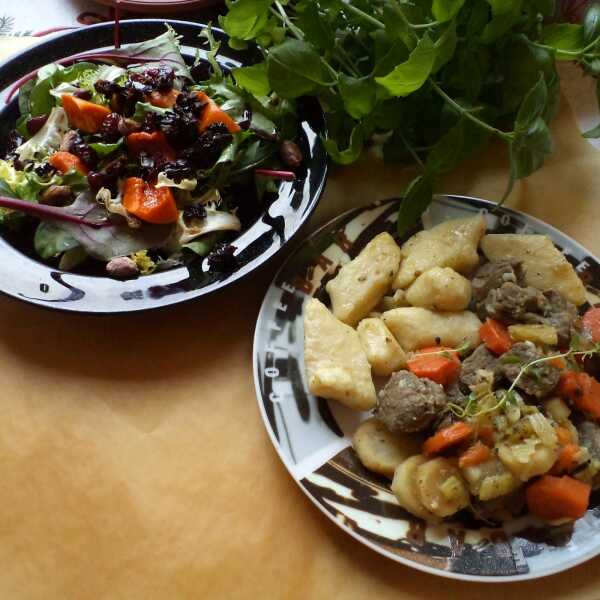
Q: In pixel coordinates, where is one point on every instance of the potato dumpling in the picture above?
(362, 283)
(336, 365)
(524, 462)
(441, 487)
(383, 351)
(440, 288)
(394, 301)
(416, 327)
(381, 451)
(538, 334)
(404, 487)
(449, 244)
(544, 265)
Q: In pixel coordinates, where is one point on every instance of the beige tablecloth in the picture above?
(134, 463)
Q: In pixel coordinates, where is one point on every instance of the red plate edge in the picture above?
(159, 6)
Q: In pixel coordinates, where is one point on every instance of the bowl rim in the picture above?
(565, 565)
(31, 55)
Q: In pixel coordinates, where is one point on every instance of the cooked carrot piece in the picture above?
(65, 161)
(551, 498)
(164, 99)
(591, 322)
(446, 438)
(148, 203)
(495, 336)
(83, 114)
(486, 434)
(475, 455)
(568, 459)
(155, 144)
(441, 368)
(563, 435)
(582, 390)
(213, 114)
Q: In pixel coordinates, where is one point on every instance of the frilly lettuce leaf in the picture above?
(187, 185)
(48, 138)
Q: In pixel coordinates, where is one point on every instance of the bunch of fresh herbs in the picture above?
(433, 80)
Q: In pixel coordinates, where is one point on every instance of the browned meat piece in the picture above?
(558, 313)
(481, 360)
(500, 509)
(408, 404)
(492, 275)
(511, 303)
(539, 380)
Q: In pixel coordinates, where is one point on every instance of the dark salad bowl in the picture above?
(26, 278)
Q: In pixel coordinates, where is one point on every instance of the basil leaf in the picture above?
(593, 133)
(417, 198)
(530, 149)
(351, 153)
(246, 19)
(444, 10)
(50, 240)
(358, 95)
(505, 14)
(315, 26)
(295, 69)
(103, 150)
(409, 76)
(253, 79)
(563, 36)
(533, 105)
(445, 46)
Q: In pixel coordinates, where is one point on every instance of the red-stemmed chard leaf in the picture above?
(273, 174)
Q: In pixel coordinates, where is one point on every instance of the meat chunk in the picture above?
(539, 380)
(408, 404)
(557, 312)
(492, 275)
(511, 303)
(481, 360)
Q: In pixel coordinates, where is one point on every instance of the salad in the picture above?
(130, 161)
(477, 354)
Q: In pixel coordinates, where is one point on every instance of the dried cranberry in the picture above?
(178, 169)
(36, 123)
(84, 152)
(106, 88)
(150, 122)
(110, 127)
(13, 141)
(160, 77)
(83, 94)
(179, 129)
(194, 212)
(290, 154)
(202, 71)
(108, 176)
(222, 259)
(189, 104)
(207, 149)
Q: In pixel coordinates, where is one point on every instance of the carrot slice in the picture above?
(441, 368)
(563, 435)
(568, 459)
(551, 498)
(155, 144)
(486, 434)
(164, 99)
(591, 322)
(212, 113)
(495, 336)
(150, 204)
(475, 455)
(582, 390)
(65, 161)
(446, 438)
(83, 114)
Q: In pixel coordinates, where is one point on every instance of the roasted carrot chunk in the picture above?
(568, 459)
(150, 204)
(591, 322)
(563, 435)
(213, 114)
(582, 390)
(164, 99)
(446, 438)
(65, 161)
(83, 114)
(436, 363)
(486, 434)
(475, 455)
(155, 144)
(495, 336)
(552, 498)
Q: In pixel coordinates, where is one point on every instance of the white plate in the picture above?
(313, 436)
